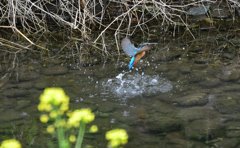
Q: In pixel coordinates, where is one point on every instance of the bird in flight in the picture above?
(132, 51)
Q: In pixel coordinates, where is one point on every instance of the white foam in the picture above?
(130, 85)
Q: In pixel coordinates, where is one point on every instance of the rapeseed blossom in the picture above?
(53, 97)
(50, 129)
(93, 129)
(44, 118)
(72, 138)
(84, 115)
(117, 137)
(11, 143)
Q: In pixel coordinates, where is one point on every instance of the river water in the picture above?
(183, 93)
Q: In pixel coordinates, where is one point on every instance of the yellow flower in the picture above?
(64, 107)
(93, 129)
(44, 118)
(117, 137)
(44, 107)
(72, 138)
(54, 96)
(53, 114)
(69, 113)
(50, 129)
(114, 143)
(11, 143)
(84, 115)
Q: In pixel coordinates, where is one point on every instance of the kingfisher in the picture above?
(132, 51)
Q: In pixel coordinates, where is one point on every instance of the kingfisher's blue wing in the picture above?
(131, 62)
(128, 47)
(145, 47)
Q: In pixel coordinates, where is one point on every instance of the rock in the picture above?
(159, 107)
(220, 13)
(43, 82)
(156, 124)
(233, 129)
(235, 75)
(197, 113)
(199, 67)
(198, 10)
(196, 76)
(231, 87)
(228, 142)
(27, 76)
(172, 75)
(163, 56)
(23, 104)
(204, 129)
(175, 139)
(9, 115)
(56, 70)
(227, 105)
(229, 75)
(230, 117)
(210, 83)
(25, 85)
(192, 100)
(15, 92)
(185, 68)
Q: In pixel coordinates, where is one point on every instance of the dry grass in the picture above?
(80, 15)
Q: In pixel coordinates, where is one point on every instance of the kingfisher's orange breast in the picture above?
(138, 57)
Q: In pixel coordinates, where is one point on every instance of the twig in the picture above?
(24, 37)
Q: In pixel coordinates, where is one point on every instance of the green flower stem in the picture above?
(63, 143)
(80, 134)
(60, 137)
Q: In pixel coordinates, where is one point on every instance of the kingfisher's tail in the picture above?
(131, 62)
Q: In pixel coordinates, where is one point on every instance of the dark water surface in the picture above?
(185, 95)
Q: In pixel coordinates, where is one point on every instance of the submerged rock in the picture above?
(210, 83)
(9, 115)
(27, 76)
(228, 142)
(185, 68)
(25, 85)
(197, 113)
(233, 129)
(227, 105)
(204, 129)
(164, 56)
(157, 124)
(15, 92)
(177, 140)
(192, 100)
(229, 74)
(23, 104)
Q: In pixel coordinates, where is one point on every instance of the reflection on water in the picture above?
(127, 85)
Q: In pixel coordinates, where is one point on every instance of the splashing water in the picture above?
(127, 85)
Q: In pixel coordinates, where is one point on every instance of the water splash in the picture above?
(127, 85)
